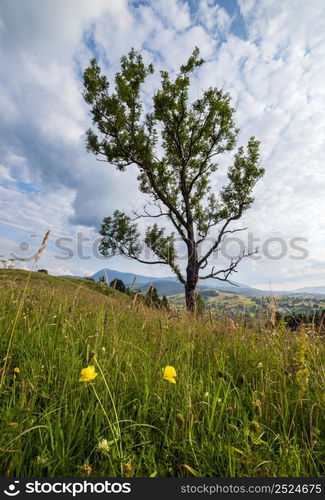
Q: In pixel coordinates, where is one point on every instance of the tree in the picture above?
(174, 146)
(7, 263)
(44, 271)
(118, 285)
(152, 297)
(164, 302)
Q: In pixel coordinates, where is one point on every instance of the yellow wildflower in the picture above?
(16, 369)
(88, 374)
(169, 374)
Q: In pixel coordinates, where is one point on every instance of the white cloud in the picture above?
(214, 17)
(175, 13)
(275, 77)
(5, 174)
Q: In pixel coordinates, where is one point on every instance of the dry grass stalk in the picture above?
(272, 310)
(42, 247)
(20, 305)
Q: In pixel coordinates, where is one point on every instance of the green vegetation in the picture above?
(175, 148)
(237, 304)
(118, 285)
(247, 400)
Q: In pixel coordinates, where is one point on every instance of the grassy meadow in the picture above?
(248, 399)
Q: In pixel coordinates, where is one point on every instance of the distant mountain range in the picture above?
(311, 289)
(171, 285)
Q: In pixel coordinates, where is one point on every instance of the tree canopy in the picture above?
(118, 285)
(175, 146)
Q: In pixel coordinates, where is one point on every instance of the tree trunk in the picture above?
(190, 297)
(192, 277)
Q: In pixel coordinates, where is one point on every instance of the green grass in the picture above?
(247, 402)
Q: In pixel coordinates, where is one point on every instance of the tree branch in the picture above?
(219, 239)
(146, 214)
(226, 272)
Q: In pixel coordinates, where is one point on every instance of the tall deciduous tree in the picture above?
(174, 146)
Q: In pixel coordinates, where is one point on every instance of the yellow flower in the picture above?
(170, 374)
(88, 374)
(16, 369)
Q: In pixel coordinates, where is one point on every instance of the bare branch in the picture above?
(235, 230)
(226, 272)
(219, 239)
(146, 214)
(124, 251)
(203, 236)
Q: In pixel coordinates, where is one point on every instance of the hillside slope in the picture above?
(37, 279)
(247, 399)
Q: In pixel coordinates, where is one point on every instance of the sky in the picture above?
(268, 54)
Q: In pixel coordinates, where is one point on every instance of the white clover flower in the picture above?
(103, 446)
(42, 461)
